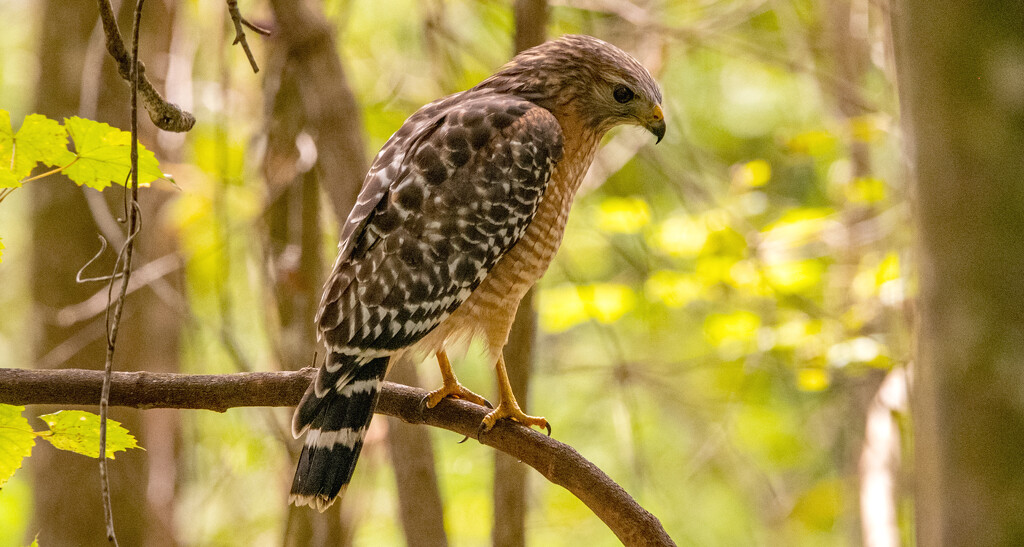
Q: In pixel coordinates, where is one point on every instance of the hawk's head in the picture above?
(590, 78)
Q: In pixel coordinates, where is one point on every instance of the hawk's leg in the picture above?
(508, 407)
(451, 387)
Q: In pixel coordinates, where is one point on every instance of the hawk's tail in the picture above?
(334, 412)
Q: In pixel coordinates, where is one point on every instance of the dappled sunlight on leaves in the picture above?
(812, 379)
(561, 308)
(680, 236)
(673, 289)
(738, 327)
(752, 174)
(711, 322)
(795, 276)
(623, 215)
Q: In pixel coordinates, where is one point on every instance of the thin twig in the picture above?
(559, 463)
(239, 21)
(113, 323)
(255, 28)
(165, 115)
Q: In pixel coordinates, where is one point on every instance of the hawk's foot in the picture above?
(512, 410)
(455, 390)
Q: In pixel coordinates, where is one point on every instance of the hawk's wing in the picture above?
(446, 197)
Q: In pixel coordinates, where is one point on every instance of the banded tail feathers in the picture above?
(334, 413)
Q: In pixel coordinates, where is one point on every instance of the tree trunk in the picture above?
(293, 250)
(510, 475)
(77, 77)
(960, 64)
(421, 510)
(311, 96)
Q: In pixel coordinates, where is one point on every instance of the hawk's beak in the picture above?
(656, 124)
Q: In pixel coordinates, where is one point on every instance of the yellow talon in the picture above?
(508, 407)
(455, 391)
(451, 387)
(512, 411)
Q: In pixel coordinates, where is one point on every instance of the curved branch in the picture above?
(165, 115)
(558, 462)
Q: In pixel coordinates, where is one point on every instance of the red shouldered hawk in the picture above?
(460, 214)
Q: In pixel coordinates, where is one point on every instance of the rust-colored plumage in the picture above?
(460, 214)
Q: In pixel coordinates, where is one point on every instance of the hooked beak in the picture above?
(656, 123)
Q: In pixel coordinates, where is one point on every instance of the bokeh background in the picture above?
(723, 331)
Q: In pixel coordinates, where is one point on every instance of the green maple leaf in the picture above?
(7, 178)
(16, 440)
(104, 155)
(39, 139)
(79, 431)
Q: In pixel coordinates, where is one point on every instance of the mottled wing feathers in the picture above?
(447, 196)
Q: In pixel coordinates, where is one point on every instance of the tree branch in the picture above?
(559, 463)
(239, 21)
(165, 115)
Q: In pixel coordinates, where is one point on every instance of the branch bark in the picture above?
(165, 115)
(557, 462)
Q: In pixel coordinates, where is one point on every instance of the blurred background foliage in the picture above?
(720, 316)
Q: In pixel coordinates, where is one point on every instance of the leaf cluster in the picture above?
(90, 153)
(73, 430)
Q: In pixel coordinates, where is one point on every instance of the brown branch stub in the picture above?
(559, 463)
(165, 115)
(239, 22)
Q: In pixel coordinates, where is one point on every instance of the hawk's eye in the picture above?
(623, 94)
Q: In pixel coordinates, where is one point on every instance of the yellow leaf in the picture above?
(888, 270)
(812, 143)
(745, 275)
(79, 431)
(868, 128)
(752, 174)
(623, 215)
(794, 276)
(711, 270)
(821, 506)
(560, 308)
(563, 307)
(681, 236)
(795, 332)
(866, 190)
(607, 302)
(738, 326)
(674, 289)
(812, 379)
(800, 223)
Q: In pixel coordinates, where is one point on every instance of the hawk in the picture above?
(460, 214)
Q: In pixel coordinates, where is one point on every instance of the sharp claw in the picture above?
(488, 404)
(548, 426)
(464, 439)
(422, 406)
